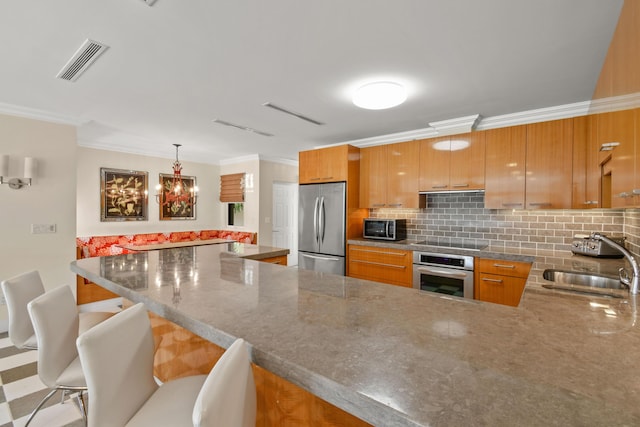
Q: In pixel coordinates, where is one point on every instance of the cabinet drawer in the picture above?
(383, 265)
(380, 255)
(500, 289)
(505, 268)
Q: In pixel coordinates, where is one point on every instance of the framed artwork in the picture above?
(176, 207)
(123, 195)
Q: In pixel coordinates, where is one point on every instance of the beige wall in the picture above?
(50, 200)
(88, 206)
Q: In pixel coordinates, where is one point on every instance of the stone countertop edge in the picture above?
(352, 402)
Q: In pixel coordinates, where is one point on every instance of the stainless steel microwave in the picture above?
(384, 229)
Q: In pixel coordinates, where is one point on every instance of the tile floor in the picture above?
(21, 390)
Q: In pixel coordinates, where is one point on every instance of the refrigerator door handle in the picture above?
(322, 219)
(316, 235)
(324, 258)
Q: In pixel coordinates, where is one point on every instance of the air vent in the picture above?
(245, 128)
(292, 113)
(81, 60)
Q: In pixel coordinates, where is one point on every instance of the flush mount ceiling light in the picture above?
(380, 95)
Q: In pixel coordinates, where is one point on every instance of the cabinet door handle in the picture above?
(439, 186)
(635, 191)
(608, 146)
(395, 205)
(402, 267)
(504, 265)
(327, 177)
(511, 204)
(378, 205)
(379, 252)
(541, 204)
(460, 185)
(491, 280)
(591, 202)
(623, 195)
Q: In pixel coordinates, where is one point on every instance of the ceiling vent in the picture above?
(81, 60)
(245, 128)
(292, 113)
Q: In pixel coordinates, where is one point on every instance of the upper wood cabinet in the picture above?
(530, 166)
(323, 165)
(617, 131)
(389, 176)
(505, 167)
(549, 165)
(453, 163)
(586, 188)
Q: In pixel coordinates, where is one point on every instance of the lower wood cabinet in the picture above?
(500, 282)
(280, 260)
(385, 265)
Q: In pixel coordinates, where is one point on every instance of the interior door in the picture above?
(285, 219)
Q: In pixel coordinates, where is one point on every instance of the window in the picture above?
(235, 214)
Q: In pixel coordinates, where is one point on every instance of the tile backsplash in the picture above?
(456, 217)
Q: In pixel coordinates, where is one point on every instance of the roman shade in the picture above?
(232, 188)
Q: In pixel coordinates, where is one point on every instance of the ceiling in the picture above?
(174, 67)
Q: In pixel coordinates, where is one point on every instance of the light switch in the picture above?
(43, 228)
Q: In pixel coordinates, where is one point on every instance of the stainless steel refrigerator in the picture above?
(321, 227)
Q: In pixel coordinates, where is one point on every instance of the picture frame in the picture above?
(175, 210)
(123, 195)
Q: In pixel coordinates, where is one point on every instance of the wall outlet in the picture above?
(43, 228)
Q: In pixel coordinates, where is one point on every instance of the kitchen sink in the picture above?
(585, 283)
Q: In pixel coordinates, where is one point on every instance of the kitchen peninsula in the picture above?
(395, 356)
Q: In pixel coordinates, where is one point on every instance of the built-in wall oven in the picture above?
(445, 274)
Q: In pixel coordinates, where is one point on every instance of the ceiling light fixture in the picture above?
(380, 95)
(174, 193)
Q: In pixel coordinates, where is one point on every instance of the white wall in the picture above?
(271, 172)
(50, 200)
(208, 212)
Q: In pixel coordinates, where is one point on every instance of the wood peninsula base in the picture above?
(280, 403)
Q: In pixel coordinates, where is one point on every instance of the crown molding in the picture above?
(391, 138)
(287, 162)
(615, 103)
(46, 116)
(534, 116)
(454, 126)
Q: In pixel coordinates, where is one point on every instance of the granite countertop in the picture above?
(397, 356)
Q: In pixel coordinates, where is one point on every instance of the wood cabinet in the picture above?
(530, 166)
(586, 188)
(389, 176)
(453, 163)
(323, 165)
(548, 167)
(386, 265)
(505, 167)
(280, 260)
(500, 282)
(616, 137)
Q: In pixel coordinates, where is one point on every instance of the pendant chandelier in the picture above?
(173, 192)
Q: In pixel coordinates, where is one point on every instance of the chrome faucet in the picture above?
(632, 282)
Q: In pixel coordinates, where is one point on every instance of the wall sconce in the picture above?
(17, 183)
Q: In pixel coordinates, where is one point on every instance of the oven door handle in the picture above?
(444, 273)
